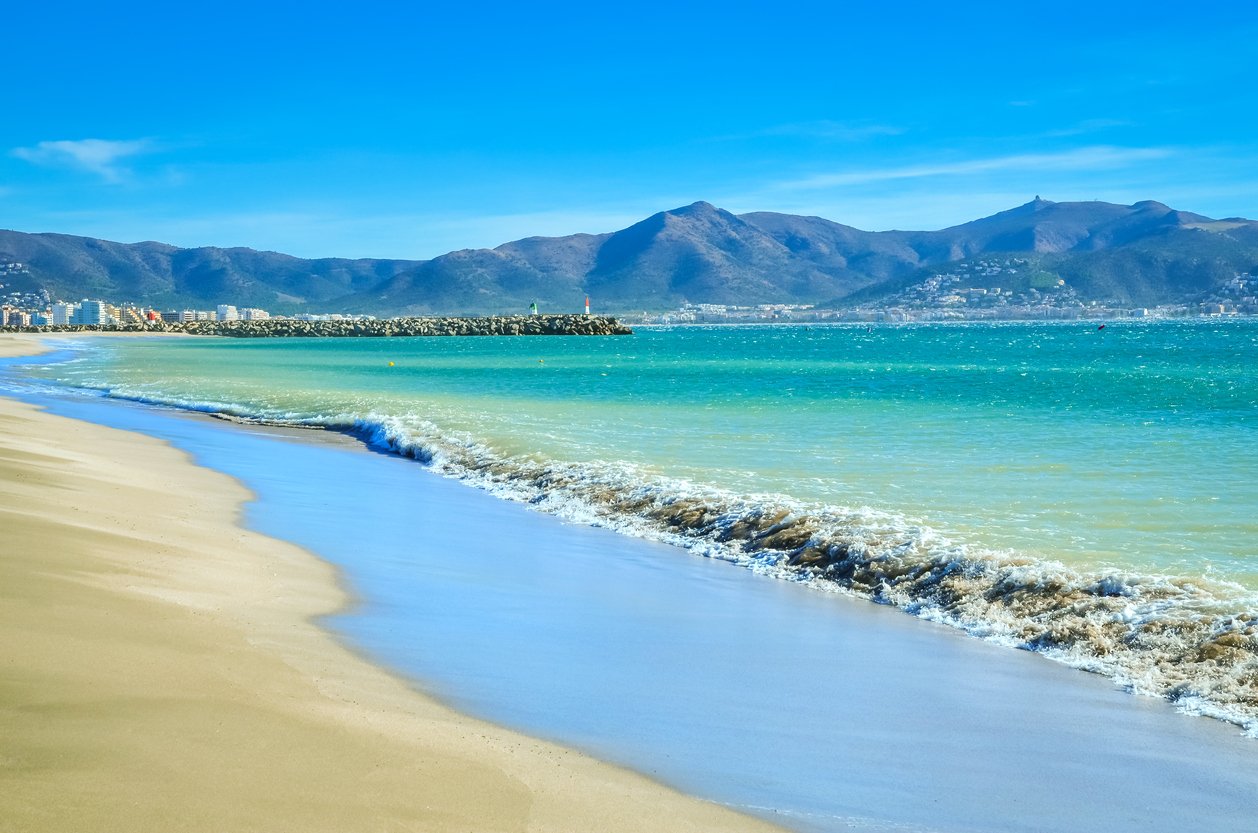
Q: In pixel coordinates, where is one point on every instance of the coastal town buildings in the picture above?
(28, 310)
(62, 313)
(93, 313)
(1010, 289)
(11, 316)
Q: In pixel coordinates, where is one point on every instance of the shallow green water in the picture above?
(1085, 493)
(1128, 447)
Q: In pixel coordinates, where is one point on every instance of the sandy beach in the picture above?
(162, 672)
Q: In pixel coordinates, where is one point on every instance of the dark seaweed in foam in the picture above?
(1190, 640)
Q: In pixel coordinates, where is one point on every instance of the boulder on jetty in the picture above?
(491, 325)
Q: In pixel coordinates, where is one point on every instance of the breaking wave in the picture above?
(1193, 641)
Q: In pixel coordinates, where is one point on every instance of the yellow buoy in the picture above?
(390, 364)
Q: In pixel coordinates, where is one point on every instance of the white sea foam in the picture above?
(1191, 640)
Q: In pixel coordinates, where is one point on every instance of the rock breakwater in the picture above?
(490, 325)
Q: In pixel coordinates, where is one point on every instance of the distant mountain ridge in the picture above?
(1146, 253)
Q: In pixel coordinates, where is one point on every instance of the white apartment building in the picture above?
(92, 313)
(64, 313)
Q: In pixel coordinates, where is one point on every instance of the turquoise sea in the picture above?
(1090, 494)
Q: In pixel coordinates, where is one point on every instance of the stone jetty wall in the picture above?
(491, 325)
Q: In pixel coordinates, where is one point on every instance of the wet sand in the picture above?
(161, 672)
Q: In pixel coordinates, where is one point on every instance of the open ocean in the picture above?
(1090, 494)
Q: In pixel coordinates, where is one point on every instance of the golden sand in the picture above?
(159, 671)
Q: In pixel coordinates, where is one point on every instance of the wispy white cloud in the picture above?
(1090, 158)
(102, 157)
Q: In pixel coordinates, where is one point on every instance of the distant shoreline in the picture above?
(856, 324)
(528, 325)
(486, 325)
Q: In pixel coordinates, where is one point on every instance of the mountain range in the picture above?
(1143, 254)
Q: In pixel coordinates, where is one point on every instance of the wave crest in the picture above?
(1190, 640)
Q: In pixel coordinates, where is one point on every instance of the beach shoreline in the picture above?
(814, 711)
(164, 671)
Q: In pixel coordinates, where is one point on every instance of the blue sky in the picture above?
(408, 130)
